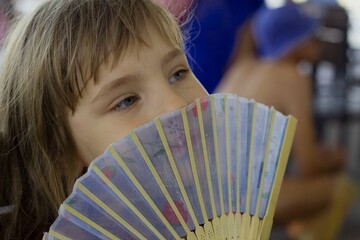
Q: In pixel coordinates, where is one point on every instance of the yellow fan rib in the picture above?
(253, 125)
(112, 212)
(89, 222)
(206, 158)
(159, 181)
(58, 235)
(238, 149)
(213, 116)
(280, 171)
(193, 165)
(142, 191)
(175, 170)
(272, 111)
(227, 144)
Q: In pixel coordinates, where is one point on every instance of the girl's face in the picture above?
(145, 83)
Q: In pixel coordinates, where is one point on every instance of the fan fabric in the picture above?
(211, 170)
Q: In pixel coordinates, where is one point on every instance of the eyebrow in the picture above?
(128, 79)
(171, 55)
(115, 84)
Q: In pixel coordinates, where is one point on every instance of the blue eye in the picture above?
(126, 103)
(178, 75)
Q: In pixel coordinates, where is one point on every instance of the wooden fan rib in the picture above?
(193, 164)
(246, 218)
(238, 162)
(125, 201)
(227, 144)
(159, 182)
(265, 157)
(251, 149)
(121, 163)
(175, 170)
(255, 220)
(217, 159)
(89, 222)
(206, 158)
(280, 171)
(57, 235)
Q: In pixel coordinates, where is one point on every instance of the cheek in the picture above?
(196, 90)
(87, 135)
(94, 137)
(94, 133)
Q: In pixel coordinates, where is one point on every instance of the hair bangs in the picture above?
(104, 31)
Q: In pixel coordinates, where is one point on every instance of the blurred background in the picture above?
(336, 84)
(335, 77)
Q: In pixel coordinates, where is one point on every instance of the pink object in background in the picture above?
(178, 7)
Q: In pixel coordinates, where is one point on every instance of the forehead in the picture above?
(154, 48)
(149, 37)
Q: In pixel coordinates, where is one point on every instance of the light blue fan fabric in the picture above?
(277, 31)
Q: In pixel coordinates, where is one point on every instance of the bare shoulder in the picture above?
(288, 87)
(288, 76)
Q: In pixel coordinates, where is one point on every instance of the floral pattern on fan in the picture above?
(109, 172)
(203, 104)
(170, 215)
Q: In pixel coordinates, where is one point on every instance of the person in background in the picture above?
(265, 67)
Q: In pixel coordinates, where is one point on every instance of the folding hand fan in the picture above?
(211, 170)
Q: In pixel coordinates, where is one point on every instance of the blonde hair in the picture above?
(49, 57)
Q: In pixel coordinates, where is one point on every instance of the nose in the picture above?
(160, 102)
(168, 100)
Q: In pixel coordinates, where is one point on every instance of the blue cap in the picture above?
(280, 30)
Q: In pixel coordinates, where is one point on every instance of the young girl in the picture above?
(76, 76)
